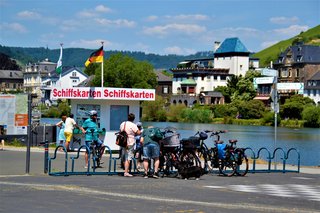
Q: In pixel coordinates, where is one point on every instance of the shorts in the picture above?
(98, 142)
(127, 153)
(68, 136)
(150, 151)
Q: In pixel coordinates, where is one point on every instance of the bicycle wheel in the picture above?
(189, 158)
(242, 163)
(227, 166)
(169, 168)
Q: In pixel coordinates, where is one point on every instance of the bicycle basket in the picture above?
(191, 142)
(171, 140)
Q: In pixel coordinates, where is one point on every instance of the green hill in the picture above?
(312, 37)
(78, 56)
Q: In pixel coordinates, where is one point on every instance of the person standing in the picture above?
(151, 149)
(70, 124)
(61, 124)
(138, 147)
(128, 152)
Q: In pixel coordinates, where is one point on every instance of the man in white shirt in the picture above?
(70, 124)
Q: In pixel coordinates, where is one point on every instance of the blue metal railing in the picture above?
(112, 162)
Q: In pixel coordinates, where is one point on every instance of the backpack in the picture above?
(122, 137)
(155, 134)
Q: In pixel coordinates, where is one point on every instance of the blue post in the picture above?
(46, 156)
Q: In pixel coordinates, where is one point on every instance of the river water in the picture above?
(305, 140)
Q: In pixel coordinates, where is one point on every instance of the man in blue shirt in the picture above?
(92, 134)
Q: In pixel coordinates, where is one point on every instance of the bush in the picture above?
(268, 119)
(311, 115)
(224, 110)
(196, 115)
(153, 110)
(174, 113)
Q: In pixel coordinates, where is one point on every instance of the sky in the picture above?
(181, 27)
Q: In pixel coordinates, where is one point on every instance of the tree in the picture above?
(311, 114)
(293, 107)
(124, 72)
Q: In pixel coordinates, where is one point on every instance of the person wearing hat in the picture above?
(92, 134)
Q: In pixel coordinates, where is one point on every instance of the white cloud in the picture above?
(29, 15)
(102, 9)
(291, 30)
(116, 23)
(192, 17)
(92, 44)
(152, 18)
(171, 28)
(178, 50)
(13, 27)
(86, 14)
(284, 20)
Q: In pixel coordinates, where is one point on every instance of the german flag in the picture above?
(95, 57)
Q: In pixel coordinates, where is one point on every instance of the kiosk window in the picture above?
(118, 114)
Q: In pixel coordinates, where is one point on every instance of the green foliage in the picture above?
(125, 72)
(154, 110)
(225, 110)
(292, 123)
(174, 113)
(56, 112)
(311, 115)
(268, 119)
(196, 115)
(251, 109)
(293, 107)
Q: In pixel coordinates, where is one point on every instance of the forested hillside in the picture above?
(78, 56)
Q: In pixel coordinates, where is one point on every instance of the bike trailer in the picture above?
(170, 140)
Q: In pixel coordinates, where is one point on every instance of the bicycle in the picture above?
(241, 159)
(97, 149)
(169, 152)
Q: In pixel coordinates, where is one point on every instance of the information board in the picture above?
(14, 114)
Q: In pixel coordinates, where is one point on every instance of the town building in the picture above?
(195, 80)
(70, 77)
(312, 88)
(33, 76)
(11, 81)
(297, 64)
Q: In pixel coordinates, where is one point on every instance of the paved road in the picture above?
(37, 192)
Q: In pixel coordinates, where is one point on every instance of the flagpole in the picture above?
(102, 65)
(61, 44)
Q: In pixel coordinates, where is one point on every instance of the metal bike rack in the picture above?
(112, 162)
(110, 170)
(285, 156)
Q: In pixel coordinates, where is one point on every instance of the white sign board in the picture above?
(269, 72)
(263, 80)
(106, 93)
(288, 86)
